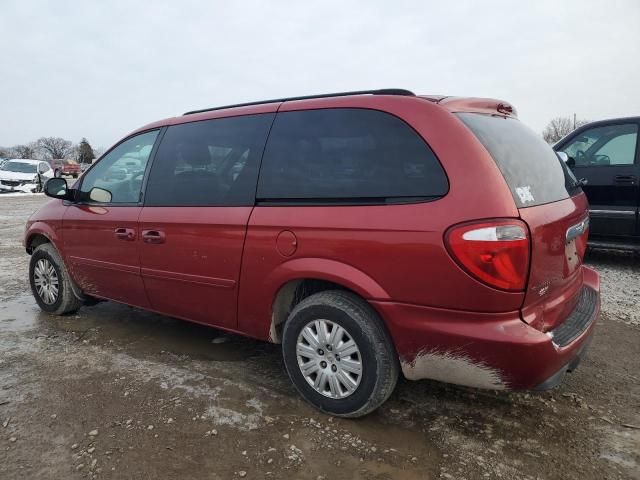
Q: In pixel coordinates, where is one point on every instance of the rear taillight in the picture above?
(495, 252)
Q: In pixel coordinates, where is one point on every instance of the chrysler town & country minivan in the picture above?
(372, 234)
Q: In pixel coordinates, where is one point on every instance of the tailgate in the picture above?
(559, 233)
(551, 202)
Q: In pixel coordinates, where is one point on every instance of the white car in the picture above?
(28, 176)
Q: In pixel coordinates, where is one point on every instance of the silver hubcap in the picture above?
(45, 279)
(329, 359)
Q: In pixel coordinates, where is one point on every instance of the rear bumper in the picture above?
(489, 350)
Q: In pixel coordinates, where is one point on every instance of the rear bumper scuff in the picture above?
(489, 350)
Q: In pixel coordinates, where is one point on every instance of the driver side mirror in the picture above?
(57, 188)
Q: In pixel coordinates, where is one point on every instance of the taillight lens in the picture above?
(494, 252)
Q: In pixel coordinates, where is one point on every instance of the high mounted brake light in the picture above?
(494, 252)
(505, 108)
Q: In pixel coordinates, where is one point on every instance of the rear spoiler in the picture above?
(478, 105)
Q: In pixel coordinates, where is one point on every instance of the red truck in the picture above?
(65, 167)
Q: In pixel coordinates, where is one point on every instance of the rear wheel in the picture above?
(50, 282)
(338, 354)
(57, 173)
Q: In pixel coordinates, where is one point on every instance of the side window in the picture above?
(211, 162)
(600, 146)
(347, 154)
(120, 172)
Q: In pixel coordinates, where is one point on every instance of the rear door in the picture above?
(101, 226)
(607, 157)
(198, 199)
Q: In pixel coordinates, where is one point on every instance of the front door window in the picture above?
(117, 177)
(603, 146)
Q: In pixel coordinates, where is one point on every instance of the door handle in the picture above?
(153, 236)
(128, 234)
(625, 179)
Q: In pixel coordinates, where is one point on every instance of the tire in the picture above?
(57, 173)
(46, 259)
(379, 366)
(74, 175)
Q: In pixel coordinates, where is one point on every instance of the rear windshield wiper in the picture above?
(580, 182)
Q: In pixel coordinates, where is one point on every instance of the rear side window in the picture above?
(531, 168)
(350, 155)
(207, 163)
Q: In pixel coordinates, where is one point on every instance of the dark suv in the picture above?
(607, 156)
(368, 232)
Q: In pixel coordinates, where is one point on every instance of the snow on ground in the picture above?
(19, 194)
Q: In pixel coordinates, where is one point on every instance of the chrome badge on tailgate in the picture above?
(571, 250)
(578, 229)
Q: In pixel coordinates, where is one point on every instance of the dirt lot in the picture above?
(114, 392)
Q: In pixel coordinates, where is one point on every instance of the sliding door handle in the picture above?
(153, 236)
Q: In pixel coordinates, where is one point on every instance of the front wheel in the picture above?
(338, 354)
(50, 281)
(57, 173)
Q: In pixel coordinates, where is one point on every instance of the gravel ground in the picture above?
(115, 392)
(620, 273)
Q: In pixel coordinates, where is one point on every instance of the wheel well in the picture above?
(35, 241)
(290, 295)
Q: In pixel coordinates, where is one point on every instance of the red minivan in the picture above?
(370, 233)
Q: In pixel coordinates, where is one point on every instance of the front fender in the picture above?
(46, 230)
(46, 221)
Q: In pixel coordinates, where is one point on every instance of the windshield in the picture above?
(19, 167)
(532, 170)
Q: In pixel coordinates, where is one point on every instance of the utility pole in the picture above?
(574, 121)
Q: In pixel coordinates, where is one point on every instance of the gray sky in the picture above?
(102, 69)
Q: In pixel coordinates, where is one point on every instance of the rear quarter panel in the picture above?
(385, 252)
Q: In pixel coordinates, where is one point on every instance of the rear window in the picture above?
(531, 168)
(348, 155)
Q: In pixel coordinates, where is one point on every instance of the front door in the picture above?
(101, 235)
(606, 156)
(197, 204)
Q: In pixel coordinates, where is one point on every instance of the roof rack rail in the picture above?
(382, 91)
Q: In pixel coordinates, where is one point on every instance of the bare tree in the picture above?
(28, 150)
(54, 147)
(560, 127)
